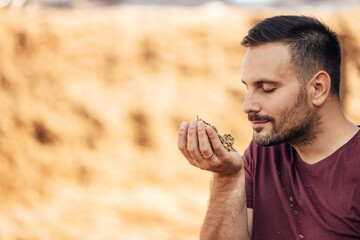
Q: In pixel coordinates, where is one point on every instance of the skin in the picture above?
(292, 121)
(281, 110)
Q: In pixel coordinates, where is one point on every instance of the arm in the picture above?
(227, 216)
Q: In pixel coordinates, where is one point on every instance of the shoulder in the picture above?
(354, 142)
(349, 152)
(350, 149)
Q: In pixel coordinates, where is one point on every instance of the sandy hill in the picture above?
(91, 102)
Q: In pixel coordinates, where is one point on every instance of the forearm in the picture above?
(226, 217)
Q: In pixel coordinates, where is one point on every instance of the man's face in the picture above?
(276, 102)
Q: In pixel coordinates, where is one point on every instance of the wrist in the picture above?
(229, 177)
(226, 181)
(229, 187)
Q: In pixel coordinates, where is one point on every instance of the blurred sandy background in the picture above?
(91, 101)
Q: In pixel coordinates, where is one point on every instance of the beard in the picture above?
(297, 125)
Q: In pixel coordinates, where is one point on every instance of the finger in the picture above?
(204, 143)
(182, 141)
(219, 149)
(192, 142)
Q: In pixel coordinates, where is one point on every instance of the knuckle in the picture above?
(192, 163)
(191, 148)
(201, 132)
(191, 133)
(206, 151)
(195, 163)
(182, 133)
(181, 148)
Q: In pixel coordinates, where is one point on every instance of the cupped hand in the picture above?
(202, 148)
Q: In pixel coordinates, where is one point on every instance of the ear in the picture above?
(319, 86)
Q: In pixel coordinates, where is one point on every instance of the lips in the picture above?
(258, 124)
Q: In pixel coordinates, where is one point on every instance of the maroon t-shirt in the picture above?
(295, 200)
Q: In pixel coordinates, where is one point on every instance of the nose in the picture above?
(250, 104)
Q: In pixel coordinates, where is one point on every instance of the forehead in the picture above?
(268, 62)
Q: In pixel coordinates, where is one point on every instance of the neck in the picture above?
(335, 131)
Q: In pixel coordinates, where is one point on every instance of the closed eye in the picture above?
(270, 90)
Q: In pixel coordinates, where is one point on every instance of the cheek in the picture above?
(276, 110)
(283, 112)
(292, 114)
(282, 102)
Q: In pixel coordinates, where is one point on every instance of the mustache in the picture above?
(258, 117)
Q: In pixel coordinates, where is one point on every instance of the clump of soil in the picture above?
(227, 140)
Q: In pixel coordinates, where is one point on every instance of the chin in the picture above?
(262, 139)
(264, 144)
(260, 142)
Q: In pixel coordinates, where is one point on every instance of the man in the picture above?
(300, 176)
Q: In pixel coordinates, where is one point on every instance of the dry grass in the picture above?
(91, 102)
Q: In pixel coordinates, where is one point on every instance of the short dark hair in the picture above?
(313, 46)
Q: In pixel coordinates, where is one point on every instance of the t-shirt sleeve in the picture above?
(248, 165)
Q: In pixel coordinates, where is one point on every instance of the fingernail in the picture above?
(192, 123)
(183, 125)
(200, 124)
